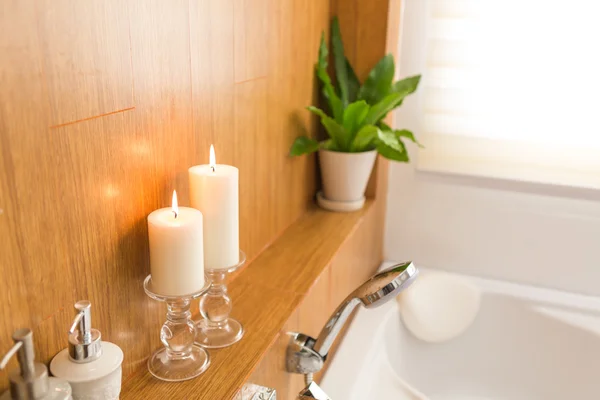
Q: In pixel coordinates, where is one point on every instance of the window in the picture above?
(510, 89)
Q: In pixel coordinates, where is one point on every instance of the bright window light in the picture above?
(522, 76)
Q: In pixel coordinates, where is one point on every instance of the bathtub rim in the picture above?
(354, 364)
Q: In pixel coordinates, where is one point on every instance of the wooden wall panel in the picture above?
(370, 30)
(250, 128)
(252, 19)
(364, 26)
(355, 261)
(28, 222)
(163, 116)
(294, 40)
(212, 52)
(318, 304)
(85, 49)
(74, 197)
(271, 371)
(18, 68)
(309, 318)
(348, 14)
(104, 106)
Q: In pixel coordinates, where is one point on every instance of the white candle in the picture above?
(214, 191)
(176, 250)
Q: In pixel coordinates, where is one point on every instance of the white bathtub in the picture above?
(525, 344)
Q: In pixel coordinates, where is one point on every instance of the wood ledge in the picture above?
(265, 294)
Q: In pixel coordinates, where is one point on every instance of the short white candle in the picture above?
(176, 250)
(214, 191)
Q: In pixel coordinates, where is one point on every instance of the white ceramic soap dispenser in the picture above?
(32, 381)
(91, 366)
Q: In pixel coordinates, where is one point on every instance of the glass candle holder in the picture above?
(181, 359)
(217, 329)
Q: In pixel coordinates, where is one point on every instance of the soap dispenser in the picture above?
(91, 366)
(32, 381)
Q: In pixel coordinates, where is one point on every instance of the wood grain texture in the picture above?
(252, 19)
(357, 258)
(271, 371)
(74, 198)
(85, 49)
(277, 292)
(212, 52)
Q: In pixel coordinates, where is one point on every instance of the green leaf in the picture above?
(354, 115)
(379, 81)
(380, 110)
(384, 126)
(335, 104)
(322, 62)
(335, 131)
(407, 85)
(364, 138)
(389, 139)
(404, 133)
(304, 145)
(390, 147)
(353, 83)
(317, 110)
(330, 145)
(341, 73)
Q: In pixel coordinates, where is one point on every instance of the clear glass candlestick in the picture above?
(181, 359)
(216, 329)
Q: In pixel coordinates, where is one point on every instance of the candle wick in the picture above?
(175, 212)
(213, 168)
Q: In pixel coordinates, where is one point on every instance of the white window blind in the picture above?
(511, 88)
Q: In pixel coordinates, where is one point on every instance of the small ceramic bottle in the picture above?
(91, 366)
(32, 381)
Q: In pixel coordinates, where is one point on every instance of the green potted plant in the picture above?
(354, 123)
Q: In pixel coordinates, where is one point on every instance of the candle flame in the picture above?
(174, 205)
(213, 159)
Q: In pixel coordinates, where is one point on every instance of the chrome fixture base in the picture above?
(180, 359)
(300, 357)
(217, 329)
(251, 391)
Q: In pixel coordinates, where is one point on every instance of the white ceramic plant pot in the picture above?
(345, 177)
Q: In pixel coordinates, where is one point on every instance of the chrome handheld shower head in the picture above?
(307, 355)
(385, 285)
(379, 289)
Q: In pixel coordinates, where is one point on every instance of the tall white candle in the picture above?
(176, 250)
(214, 191)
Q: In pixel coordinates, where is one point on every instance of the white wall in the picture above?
(540, 234)
(493, 230)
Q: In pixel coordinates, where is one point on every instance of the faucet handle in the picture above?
(313, 392)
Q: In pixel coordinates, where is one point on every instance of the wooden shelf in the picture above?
(265, 294)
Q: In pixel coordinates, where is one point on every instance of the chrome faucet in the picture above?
(306, 355)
